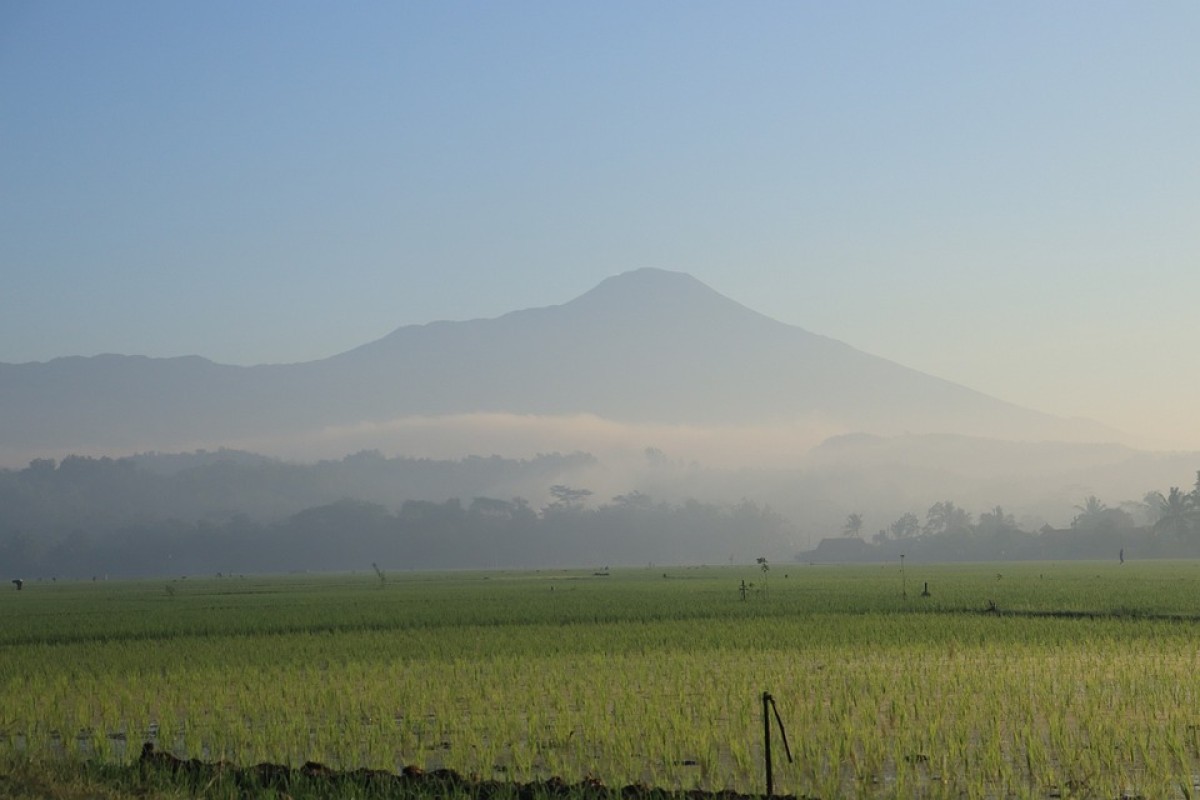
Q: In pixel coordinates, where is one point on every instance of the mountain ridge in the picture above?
(647, 347)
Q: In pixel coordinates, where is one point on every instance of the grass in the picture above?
(641, 676)
(58, 779)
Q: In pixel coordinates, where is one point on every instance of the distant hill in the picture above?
(648, 346)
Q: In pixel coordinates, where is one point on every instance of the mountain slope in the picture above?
(656, 346)
(648, 346)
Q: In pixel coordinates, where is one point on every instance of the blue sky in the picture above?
(1006, 195)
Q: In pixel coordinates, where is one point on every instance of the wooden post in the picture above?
(766, 702)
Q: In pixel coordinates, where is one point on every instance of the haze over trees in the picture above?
(1157, 527)
(235, 512)
(659, 389)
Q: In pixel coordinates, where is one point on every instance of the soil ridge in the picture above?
(413, 781)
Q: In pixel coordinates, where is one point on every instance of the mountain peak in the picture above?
(660, 284)
(653, 293)
(652, 278)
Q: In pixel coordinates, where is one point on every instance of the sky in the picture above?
(1005, 195)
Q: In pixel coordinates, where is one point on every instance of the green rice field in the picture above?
(1015, 680)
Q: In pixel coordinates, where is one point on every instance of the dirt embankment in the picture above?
(412, 782)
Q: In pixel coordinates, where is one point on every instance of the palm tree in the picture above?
(1089, 513)
(854, 524)
(1174, 511)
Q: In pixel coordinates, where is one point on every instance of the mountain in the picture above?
(646, 347)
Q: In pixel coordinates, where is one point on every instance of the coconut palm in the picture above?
(1175, 511)
(1089, 513)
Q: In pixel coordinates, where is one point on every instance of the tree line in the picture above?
(1160, 525)
(352, 535)
(232, 512)
(50, 499)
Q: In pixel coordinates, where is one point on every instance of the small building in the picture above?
(840, 549)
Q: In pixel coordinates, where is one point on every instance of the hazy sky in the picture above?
(1006, 195)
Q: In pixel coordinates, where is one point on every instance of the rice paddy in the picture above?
(1031, 680)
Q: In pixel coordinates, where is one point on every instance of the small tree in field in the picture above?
(765, 567)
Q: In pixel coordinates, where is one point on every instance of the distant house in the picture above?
(840, 549)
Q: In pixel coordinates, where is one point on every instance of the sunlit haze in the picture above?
(1002, 195)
